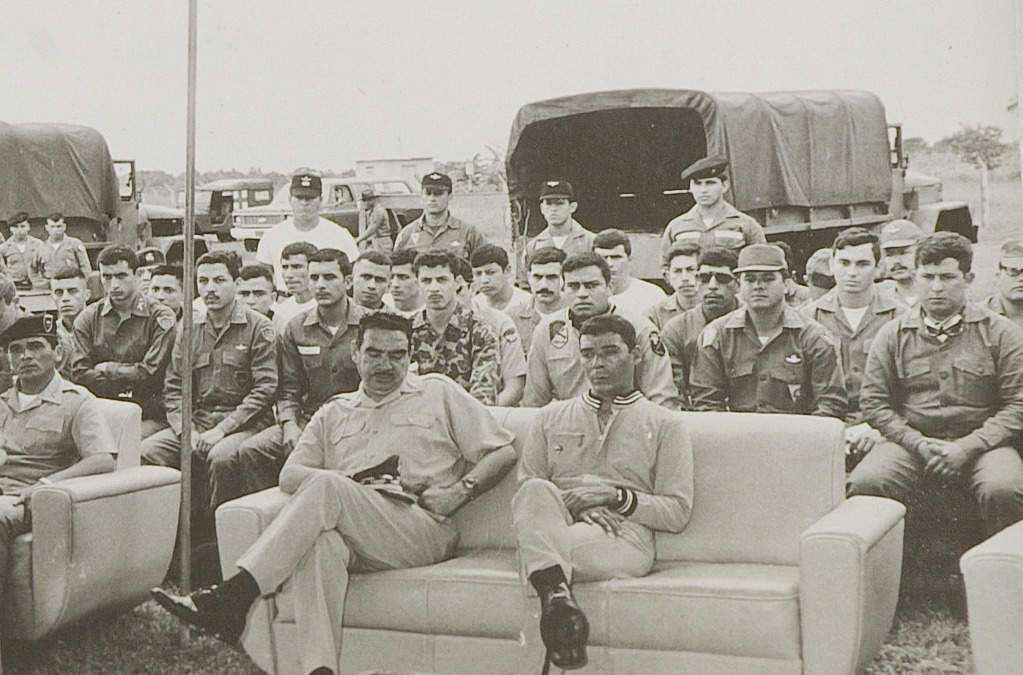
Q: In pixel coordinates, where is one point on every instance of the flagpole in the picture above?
(185, 518)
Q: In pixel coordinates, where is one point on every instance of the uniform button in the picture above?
(944, 375)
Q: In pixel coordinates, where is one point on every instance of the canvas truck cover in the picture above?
(810, 148)
(56, 167)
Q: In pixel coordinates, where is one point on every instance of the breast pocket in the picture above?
(918, 377)
(687, 237)
(46, 429)
(417, 439)
(731, 239)
(566, 452)
(787, 386)
(237, 375)
(975, 381)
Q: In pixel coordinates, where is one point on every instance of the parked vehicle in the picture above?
(340, 204)
(804, 164)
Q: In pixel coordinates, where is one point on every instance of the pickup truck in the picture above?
(399, 196)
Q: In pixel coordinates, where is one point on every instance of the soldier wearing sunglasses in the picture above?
(1008, 301)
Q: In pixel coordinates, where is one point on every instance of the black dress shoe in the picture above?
(563, 628)
(205, 610)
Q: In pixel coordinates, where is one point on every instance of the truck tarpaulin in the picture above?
(805, 149)
(56, 167)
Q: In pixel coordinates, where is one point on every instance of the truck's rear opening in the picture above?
(624, 164)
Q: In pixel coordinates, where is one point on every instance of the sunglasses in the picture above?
(1011, 271)
(722, 278)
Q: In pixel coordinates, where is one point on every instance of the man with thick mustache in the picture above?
(898, 251)
(545, 282)
(234, 365)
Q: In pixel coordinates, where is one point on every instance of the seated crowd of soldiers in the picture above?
(343, 374)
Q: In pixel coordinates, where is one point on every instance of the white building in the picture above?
(410, 167)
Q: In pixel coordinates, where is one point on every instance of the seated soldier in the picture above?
(256, 288)
(70, 292)
(944, 386)
(371, 275)
(440, 447)
(317, 361)
(50, 429)
(600, 473)
(123, 342)
(295, 272)
(167, 287)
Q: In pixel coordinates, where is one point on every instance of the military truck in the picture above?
(804, 164)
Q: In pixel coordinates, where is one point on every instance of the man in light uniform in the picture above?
(60, 250)
(494, 279)
(437, 227)
(375, 234)
(898, 250)
(18, 252)
(371, 275)
(944, 386)
(405, 296)
(545, 281)
(764, 356)
(448, 448)
(680, 265)
(626, 291)
(123, 342)
(51, 429)
(1008, 301)
(316, 351)
(305, 224)
(446, 337)
(295, 272)
(712, 221)
(557, 205)
(554, 367)
(256, 288)
(717, 286)
(600, 473)
(853, 313)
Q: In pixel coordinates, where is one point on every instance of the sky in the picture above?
(322, 83)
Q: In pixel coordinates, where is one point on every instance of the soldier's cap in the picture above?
(19, 217)
(368, 195)
(708, 167)
(1012, 252)
(306, 183)
(32, 325)
(900, 233)
(437, 180)
(761, 258)
(557, 189)
(820, 263)
(151, 256)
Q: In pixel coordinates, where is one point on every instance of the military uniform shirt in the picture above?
(376, 217)
(999, 305)
(681, 338)
(435, 427)
(17, 263)
(798, 371)
(466, 352)
(664, 311)
(512, 361)
(854, 344)
(50, 259)
(234, 373)
(578, 240)
(454, 235)
(555, 370)
(57, 429)
(316, 365)
(643, 447)
(734, 231)
(968, 389)
(526, 318)
(139, 344)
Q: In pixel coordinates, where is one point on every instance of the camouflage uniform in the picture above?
(798, 371)
(49, 259)
(554, 367)
(967, 389)
(681, 337)
(466, 352)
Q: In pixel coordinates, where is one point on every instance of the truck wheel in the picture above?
(251, 245)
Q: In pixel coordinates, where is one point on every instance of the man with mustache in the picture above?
(544, 276)
(234, 380)
(123, 341)
(717, 287)
(50, 429)
(898, 250)
(1008, 301)
(764, 356)
(944, 386)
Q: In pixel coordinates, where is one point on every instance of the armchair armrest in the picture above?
(850, 564)
(76, 569)
(241, 521)
(993, 570)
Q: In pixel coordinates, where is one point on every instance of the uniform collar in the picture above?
(628, 399)
(881, 302)
(458, 318)
(576, 230)
(577, 324)
(354, 314)
(790, 318)
(914, 318)
(237, 314)
(411, 384)
(51, 393)
(728, 211)
(450, 222)
(139, 307)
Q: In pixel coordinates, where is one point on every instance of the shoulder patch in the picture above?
(656, 344)
(557, 333)
(510, 335)
(707, 337)
(165, 321)
(268, 333)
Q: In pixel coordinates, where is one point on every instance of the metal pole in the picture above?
(185, 518)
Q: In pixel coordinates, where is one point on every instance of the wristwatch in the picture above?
(470, 484)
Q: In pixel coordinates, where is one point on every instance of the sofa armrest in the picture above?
(241, 521)
(850, 563)
(100, 542)
(993, 571)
